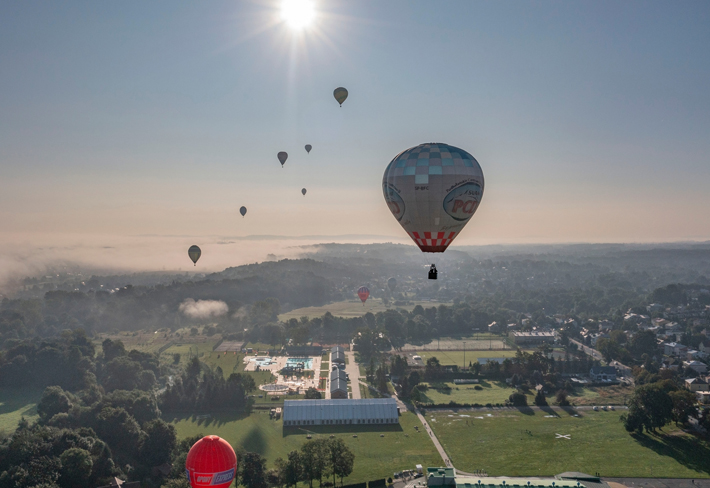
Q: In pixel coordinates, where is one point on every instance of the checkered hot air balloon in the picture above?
(363, 292)
(433, 190)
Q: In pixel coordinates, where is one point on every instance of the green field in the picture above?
(351, 308)
(500, 444)
(16, 403)
(449, 358)
(493, 392)
(375, 457)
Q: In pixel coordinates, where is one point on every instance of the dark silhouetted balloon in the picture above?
(283, 156)
(340, 94)
(243, 211)
(211, 462)
(194, 252)
(308, 148)
(303, 191)
(392, 283)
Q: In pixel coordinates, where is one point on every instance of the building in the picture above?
(337, 355)
(703, 397)
(697, 366)
(533, 337)
(337, 412)
(696, 384)
(338, 373)
(338, 388)
(447, 477)
(674, 349)
(603, 373)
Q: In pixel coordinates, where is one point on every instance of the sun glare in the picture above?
(297, 13)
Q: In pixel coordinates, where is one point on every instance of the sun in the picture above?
(297, 13)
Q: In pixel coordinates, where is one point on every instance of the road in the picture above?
(353, 371)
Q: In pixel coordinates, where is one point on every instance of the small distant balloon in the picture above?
(194, 252)
(363, 293)
(243, 211)
(392, 283)
(304, 192)
(283, 156)
(308, 148)
(340, 94)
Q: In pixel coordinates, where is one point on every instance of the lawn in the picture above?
(493, 392)
(16, 403)
(375, 457)
(448, 358)
(600, 395)
(351, 308)
(527, 443)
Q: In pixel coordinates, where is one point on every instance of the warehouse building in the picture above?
(337, 355)
(338, 412)
(338, 388)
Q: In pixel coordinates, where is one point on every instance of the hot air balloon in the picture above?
(283, 156)
(433, 190)
(392, 283)
(308, 148)
(243, 211)
(340, 94)
(194, 252)
(363, 292)
(211, 462)
(303, 190)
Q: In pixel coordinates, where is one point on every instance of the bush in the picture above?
(478, 387)
(518, 399)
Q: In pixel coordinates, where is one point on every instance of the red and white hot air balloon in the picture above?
(363, 292)
(433, 190)
(211, 462)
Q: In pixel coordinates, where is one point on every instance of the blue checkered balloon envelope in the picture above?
(433, 190)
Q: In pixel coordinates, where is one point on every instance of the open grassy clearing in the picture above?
(375, 457)
(16, 403)
(353, 308)
(492, 392)
(498, 442)
(601, 395)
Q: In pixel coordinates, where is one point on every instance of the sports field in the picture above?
(533, 442)
(352, 308)
(492, 392)
(16, 403)
(402, 447)
(449, 358)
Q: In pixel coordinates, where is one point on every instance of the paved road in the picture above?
(660, 482)
(353, 372)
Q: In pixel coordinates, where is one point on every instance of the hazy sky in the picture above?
(591, 120)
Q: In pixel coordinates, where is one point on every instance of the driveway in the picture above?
(351, 368)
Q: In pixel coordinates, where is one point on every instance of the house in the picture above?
(696, 384)
(596, 337)
(703, 397)
(603, 373)
(655, 307)
(533, 337)
(674, 349)
(696, 366)
(337, 355)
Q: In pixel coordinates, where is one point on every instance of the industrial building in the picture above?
(533, 337)
(337, 355)
(447, 477)
(338, 412)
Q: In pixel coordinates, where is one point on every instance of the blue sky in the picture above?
(590, 119)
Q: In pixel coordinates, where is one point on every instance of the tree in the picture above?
(253, 470)
(293, 469)
(683, 406)
(176, 358)
(650, 408)
(561, 398)
(76, 468)
(54, 400)
(518, 399)
(540, 399)
(315, 458)
(160, 443)
(313, 394)
(341, 459)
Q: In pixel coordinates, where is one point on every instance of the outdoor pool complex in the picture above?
(293, 362)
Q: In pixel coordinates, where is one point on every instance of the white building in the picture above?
(339, 412)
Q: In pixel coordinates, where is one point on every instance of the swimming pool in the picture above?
(294, 362)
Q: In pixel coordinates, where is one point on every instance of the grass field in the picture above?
(375, 457)
(448, 358)
(493, 392)
(351, 308)
(16, 403)
(477, 342)
(498, 442)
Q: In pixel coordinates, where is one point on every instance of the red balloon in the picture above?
(363, 293)
(211, 462)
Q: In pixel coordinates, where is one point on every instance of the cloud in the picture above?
(203, 309)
